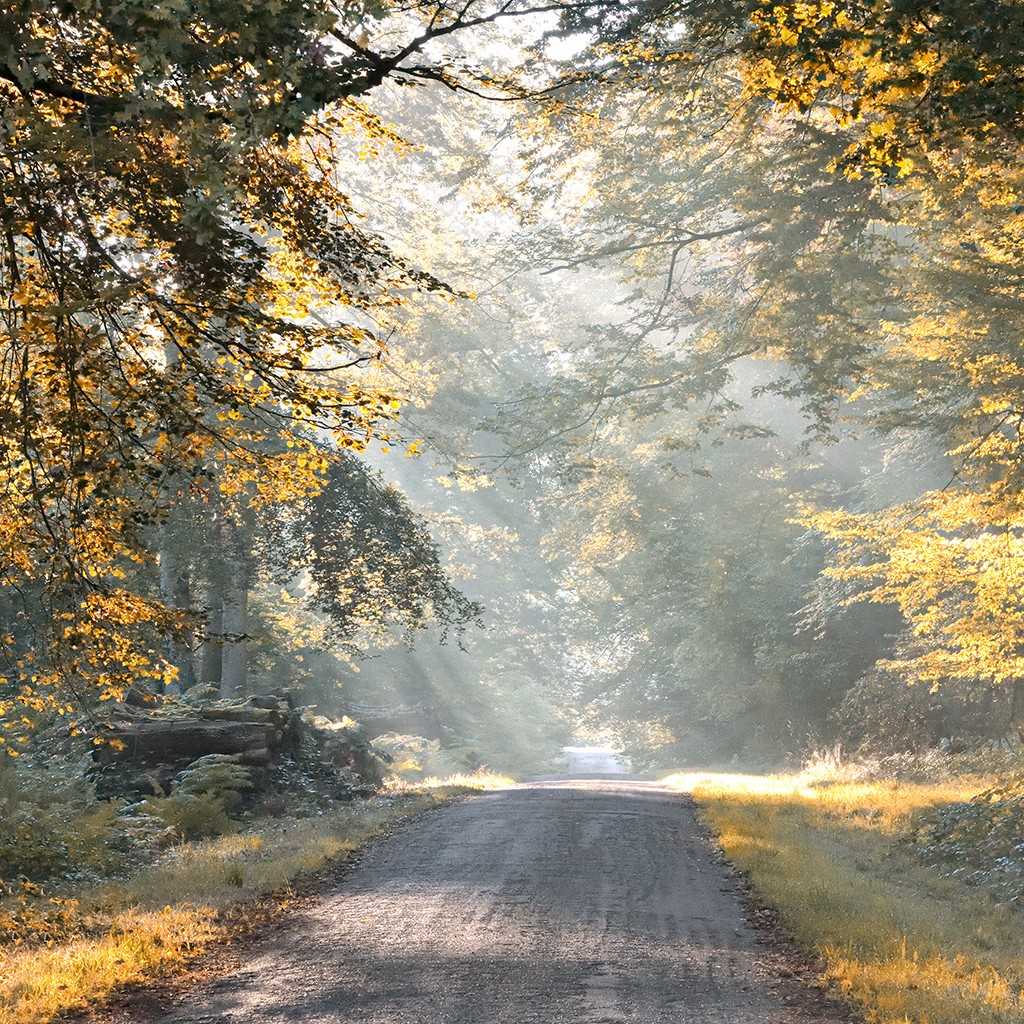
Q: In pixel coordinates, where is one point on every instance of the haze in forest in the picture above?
(565, 371)
(401, 401)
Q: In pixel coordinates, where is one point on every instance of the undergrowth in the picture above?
(448, 785)
(979, 841)
(848, 863)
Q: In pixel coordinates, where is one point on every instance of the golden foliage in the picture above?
(190, 307)
(164, 916)
(951, 561)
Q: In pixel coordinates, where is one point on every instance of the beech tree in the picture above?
(827, 188)
(190, 300)
(367, 561)
(831, 190)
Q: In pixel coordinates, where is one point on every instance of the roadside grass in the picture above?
(449, 785)
(896, 937)
(63, 954)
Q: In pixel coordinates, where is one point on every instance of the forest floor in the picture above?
(589, 901)
(602, 900)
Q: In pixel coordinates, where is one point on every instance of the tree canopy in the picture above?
(193, 307)
(830, 189)
(604, 253)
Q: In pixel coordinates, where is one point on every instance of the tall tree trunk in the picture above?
(175, 584)
(175, 591)
(235, 655)
(212, 651)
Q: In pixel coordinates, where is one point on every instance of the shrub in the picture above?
(32, 844)
(881, 714)
(192, 817)
(980, 841)
(217, 776)
(52, 825)
(414, 757)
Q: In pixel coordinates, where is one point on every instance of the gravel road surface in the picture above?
(575, 901)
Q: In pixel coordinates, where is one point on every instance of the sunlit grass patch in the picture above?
(450, 785)
(931, 991)
(39, 983)
(895, 936)
(164, 915)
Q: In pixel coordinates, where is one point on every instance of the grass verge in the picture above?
(895, 937)
(197, 893)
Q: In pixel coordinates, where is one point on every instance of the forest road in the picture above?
(575, 901)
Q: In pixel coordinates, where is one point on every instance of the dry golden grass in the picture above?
(450, 785)
(165, 915)
(907, 944)
(39, 983)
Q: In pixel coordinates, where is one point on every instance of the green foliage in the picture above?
(34, 843)
(804, 184)
(882, 714)
(192, 817)
(203, 797)
(368, 559)
(51, 826)
(159, 143)
(191, 305)
(980, 841)
(824, 186)
(218, 776)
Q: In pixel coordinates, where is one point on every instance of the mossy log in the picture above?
(158, 741)
(139, 752)
(260, 731)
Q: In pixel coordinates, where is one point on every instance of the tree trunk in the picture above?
(235, 653)
(1017, 707)
(175, 585)
(212, 651)
(175, 591)
(156, 742)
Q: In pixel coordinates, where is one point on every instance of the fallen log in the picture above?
(138, 754)
(157, 741)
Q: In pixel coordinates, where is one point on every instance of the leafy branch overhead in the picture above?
(193, 304)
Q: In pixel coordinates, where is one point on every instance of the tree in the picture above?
(937, 77)
(826, 186)
(367, 561)
(187, 290)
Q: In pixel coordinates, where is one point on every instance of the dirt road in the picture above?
(584, 902)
